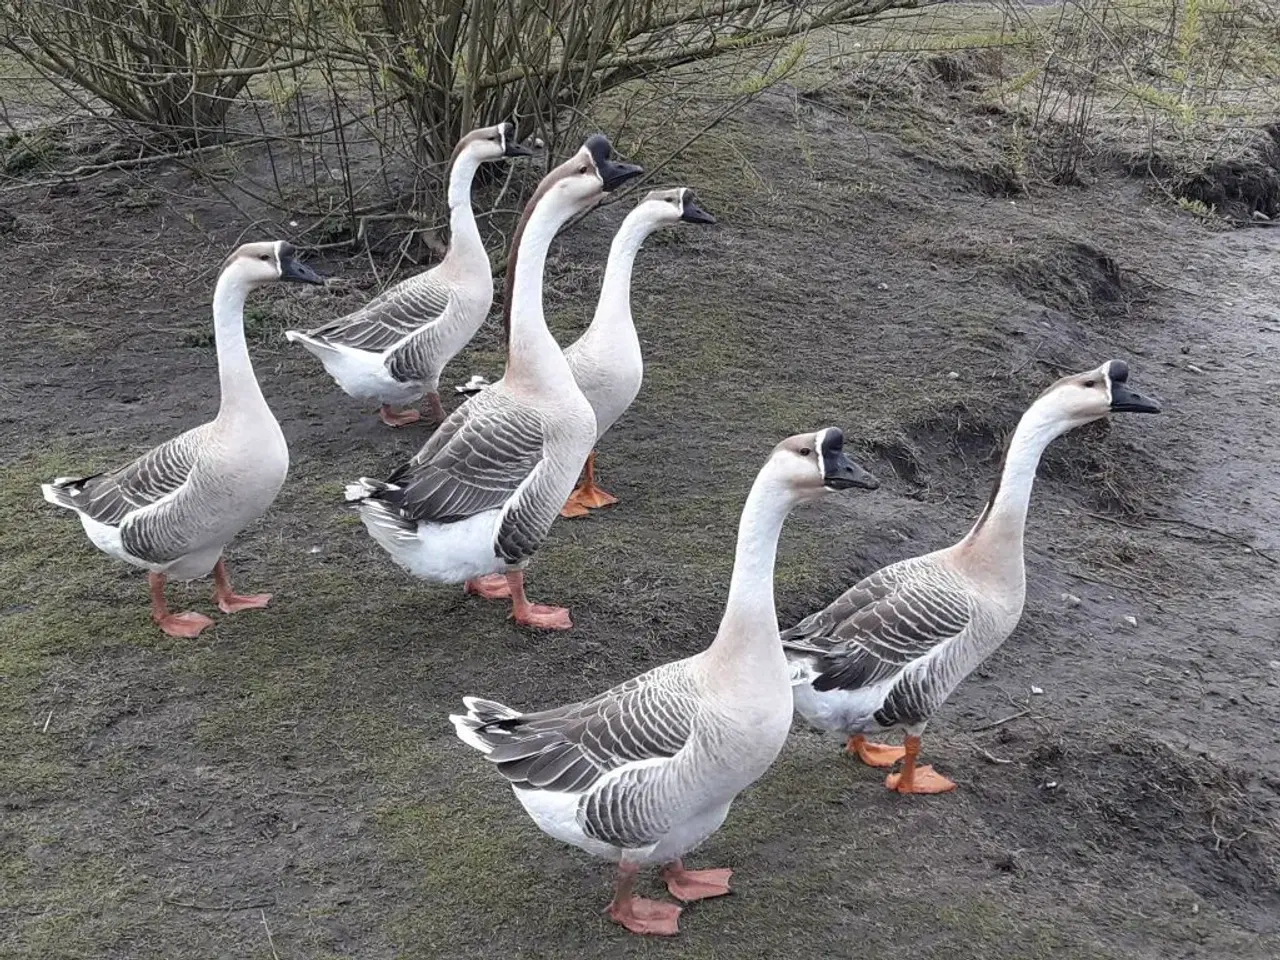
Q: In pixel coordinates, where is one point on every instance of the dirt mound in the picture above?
(1123, 796)
(1080, 280)
(1244, 189)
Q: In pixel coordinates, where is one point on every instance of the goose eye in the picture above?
(583, 168)
(264, 257)
(1091, 383)
(805, 451)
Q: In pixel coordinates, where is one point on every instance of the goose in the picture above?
(644, 772)
(888, 653)
(606, 360)
(394, 348)
(478, 499)
(174, 509)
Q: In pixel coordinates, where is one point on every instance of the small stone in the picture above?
(1195, 908)
(1274, 664)
(314, 550)
(1037, 692)
(1051, 785)
(1131, 621)
(1071, 600)
(882, 286)
(953, 375)
(1193, 368)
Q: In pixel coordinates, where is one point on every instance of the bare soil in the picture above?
(288, 784)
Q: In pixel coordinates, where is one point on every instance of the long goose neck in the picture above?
(748, 635)
(614, 306)
(532, 353)
(240, 390)
(464, 236)
(997, 535)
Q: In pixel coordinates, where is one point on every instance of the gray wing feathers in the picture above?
(529, 515)
(392, 315)
(572, 748)
(883, 624)
(490, 446)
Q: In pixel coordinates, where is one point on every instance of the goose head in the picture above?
(811, 464)
(665, 207)
(1084, 397)
(268, 261)
(492, 143)
(583, 179)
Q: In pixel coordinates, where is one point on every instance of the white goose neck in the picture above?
(615, 291)
(464, 235)
(240, 390)
(532, 353)
(1002, 523)
(749, 630)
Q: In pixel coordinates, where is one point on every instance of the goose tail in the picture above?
(474, 727)
(64, 491)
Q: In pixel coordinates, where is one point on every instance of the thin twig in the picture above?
(1001, 722)
(270, 940)
(1219, 533)
(221, 907)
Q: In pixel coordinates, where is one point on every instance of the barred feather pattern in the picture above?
(917, 624)
(392, 315)
(570, 749)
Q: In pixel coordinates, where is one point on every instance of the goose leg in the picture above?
(587, 496)
(227, 599)
(915, 779)
(435, 406)
(690, 885)
(187, 624)
(398, 418)
(534, 614)
(638, 914)
(880, 755)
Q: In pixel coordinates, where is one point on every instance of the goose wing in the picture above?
(611, 749)
(478, 458)
(881, 625)
(133, 498)
(392, 315)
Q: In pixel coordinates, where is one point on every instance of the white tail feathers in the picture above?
(59, 493)
(479, 713)
(366, 487)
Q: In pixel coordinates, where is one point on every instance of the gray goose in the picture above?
(888, 652)
(174, 509)
(606, 360)
(393, 349)
(643, 773)
(478, 499)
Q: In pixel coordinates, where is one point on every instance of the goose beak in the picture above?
(291, 268)
(1124, 400)
(514, 149)
(692, 213)
(615, 174)
(841, 473)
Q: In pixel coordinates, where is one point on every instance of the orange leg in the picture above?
(435, 406)
(690, 885)
(227, 599)
(587, 496)
(638, 914)
(398, 418)
(534, 614)
(187, 624)
(874, 754)
(915, 779)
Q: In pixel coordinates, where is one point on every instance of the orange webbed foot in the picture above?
(879, 755)
(398, 418)
(649, 917)
(923, 780)
(689, 885)
(187, 625)
(491, 587)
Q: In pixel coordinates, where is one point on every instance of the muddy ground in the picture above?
(288, 784)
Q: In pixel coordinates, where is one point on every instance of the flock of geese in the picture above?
(644, 772)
